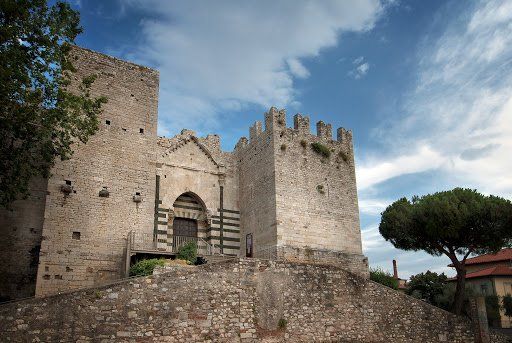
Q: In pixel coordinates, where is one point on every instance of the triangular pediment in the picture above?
(190, 153)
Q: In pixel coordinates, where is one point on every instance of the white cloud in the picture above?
(297, 69)
(458, 120)
(358, 60)
(372, 172)
(361, 68)
(373, 206)
(210, 54)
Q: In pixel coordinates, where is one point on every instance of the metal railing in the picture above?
(140, 241)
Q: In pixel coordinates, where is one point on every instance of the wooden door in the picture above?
(184, 227)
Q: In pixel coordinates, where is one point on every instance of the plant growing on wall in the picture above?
(39, 118)
(455, 223)
(188, 252)
(343, 156)
(146, 267)
(384, 278)
(321, 149)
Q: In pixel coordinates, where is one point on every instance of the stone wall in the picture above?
(316, 195)
(84, 235)
(257, 192)
(245, 300)
(188, 164)
(21, 229)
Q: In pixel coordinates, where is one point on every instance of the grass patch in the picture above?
(321, 149)
(146, 267)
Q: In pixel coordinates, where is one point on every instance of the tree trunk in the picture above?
(460, 291)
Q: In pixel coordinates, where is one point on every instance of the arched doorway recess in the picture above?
(189, 221)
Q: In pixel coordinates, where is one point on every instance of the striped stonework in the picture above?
(230, 231)
(187, 206)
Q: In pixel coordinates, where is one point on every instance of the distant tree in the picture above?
(507, 305)
(39, 118)
(384, 278)
(455, 223)
(427, 286)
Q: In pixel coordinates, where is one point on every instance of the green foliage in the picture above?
(282, 323)
(321, 149)
(492, 306)
(507, 305)
(384, 278)
(343, 155)
(146, 267)
(455, 223)
(188, 252)
(98, 294)
(427, 286)
(303, 143)
(320, 189)
(39, 118)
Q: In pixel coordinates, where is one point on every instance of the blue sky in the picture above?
(426, 86)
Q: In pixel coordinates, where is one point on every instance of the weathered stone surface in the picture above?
(245, 300)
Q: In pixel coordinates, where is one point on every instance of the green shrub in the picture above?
(320, 189)
(507, 305)
(321, 149)
(188, 252)
(146, 267)
(492, 305)
(282, 323)
(343, 156)
(384, 278)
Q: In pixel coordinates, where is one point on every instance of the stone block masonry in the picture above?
(241, 300)
(283, 189)
(84, 234)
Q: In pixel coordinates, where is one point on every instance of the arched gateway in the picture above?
(188, 221)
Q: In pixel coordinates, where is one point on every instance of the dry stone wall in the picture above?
(246, 300)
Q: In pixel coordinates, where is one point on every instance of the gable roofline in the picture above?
(198, 143)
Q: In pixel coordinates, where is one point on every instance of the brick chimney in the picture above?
(395, 270)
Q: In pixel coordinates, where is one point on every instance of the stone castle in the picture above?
(128, 193)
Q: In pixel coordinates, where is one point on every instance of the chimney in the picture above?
(395, 270)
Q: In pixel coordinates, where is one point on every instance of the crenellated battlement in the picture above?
(301, 123)
(275, 119)
(275, 124)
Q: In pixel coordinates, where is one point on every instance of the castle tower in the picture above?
(298, 194)
(85, 229)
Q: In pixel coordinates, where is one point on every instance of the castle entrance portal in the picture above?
(185, 227)
(188, 222)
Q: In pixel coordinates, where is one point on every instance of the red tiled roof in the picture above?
(492, 271)
(502, 255)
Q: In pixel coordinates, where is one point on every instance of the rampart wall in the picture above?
(246, 300)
